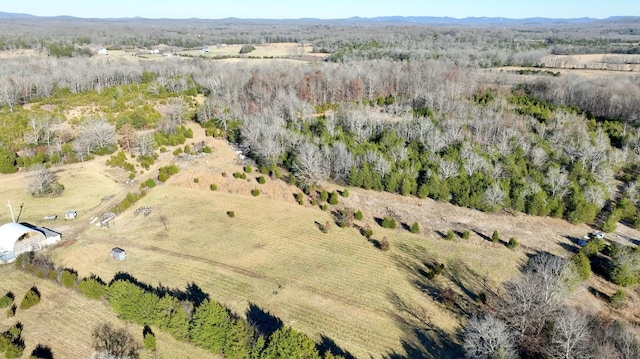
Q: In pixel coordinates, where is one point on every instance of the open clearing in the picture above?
(336, 285)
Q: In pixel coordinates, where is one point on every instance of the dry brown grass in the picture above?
(273, 254)
(64, 320)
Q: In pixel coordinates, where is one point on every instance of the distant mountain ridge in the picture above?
(426, 20)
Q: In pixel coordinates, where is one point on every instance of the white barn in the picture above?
(17, 238)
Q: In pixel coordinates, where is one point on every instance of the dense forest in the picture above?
(407, 109)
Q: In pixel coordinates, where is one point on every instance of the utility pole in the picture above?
(11, 210)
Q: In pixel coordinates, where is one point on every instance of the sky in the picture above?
(322, 9)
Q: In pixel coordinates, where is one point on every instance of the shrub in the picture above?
(323, 207)
(513, 243)
(206, 149)
(213, 187)
(261, 180)
(358, 215)
(300, 198)
(31, 298)
(6, 300)
(149, 341)
(150, 183)
(449, 236)
(11, 311)
(345, 193)
(240, 175)
(415, 228)
(495, 237)
(248, 169)
(325, 227)
(384, 244)
(231, 214)
(324, 196)
(617, 299)
(245, 49)
(68, 278)
(593, 246)
(466, 234)
(255, 192)
(196, 180)
(582, 265)
(624, 275)
(92, 287)
(333, 199)
(366, 231)
(163, 149)
(388, 222)
(187, 149)
(438, 268)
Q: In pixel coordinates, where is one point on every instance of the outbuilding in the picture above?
(118, 254)
(17, 238)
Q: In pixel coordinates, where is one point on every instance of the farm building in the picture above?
(118, 254)
(17, 238)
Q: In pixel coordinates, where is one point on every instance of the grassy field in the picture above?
(335, 287)
(64, 320)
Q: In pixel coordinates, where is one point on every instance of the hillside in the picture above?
(336, 286)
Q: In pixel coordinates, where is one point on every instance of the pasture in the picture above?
(335, 287)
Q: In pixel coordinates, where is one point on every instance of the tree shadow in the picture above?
(481, 235)
(147, 330)
(598, 294)
(327, 345)
(405, 226)
(422, 340)
(441, 234)
(192, 292)
(42, 352)
(264, 322)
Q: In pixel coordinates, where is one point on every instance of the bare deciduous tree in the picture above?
(570, 336)
(557, 180)
(144, 144)
(310, 165)
(118, 343)
(96, 133)
(494, 196)
(488, 338)
(43, 182)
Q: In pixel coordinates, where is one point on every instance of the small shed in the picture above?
(70, 215)
(118, 254)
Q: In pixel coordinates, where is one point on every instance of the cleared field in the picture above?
(261, 50)
(64, 320)
(337, 285)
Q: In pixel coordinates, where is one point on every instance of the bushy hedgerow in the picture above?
(92, 287)
(68, 277)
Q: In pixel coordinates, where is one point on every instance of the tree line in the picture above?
(188, 315)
